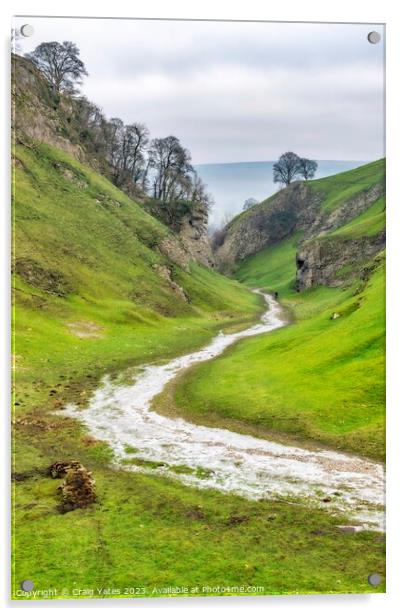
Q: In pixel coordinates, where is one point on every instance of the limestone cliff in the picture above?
(38, 114)
(193, 234)
(325, 260)
(337, 236)
(329, 258)
(292, 209)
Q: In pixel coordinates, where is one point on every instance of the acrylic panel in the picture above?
(198, 308)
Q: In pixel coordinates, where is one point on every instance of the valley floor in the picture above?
(89, 302)
(322, 378)
(121, 415)
(150, 535)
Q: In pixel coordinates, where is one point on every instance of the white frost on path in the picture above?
(217, 458)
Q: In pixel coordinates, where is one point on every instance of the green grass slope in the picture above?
(319, 378)
(369, 223)
(334, 189)
(273, 267)
(87, 291)
(348, 184)
(88, 301)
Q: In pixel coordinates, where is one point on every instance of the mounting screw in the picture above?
(27, 30)
(374, 579)
(27, 585)
(374, 37)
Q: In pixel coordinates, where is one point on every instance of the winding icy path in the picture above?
(145, 441)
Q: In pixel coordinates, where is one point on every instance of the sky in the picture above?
(235, 91)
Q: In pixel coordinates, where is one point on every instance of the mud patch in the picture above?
(50, 281)
(78, 488)
(85, 329)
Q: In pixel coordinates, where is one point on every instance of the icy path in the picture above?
(145, 441)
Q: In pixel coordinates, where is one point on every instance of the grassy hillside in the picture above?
(88, 294)
(273, 267)
(308, 207)
(89, 300)
(343, 186)
(333, 191)
(320, 378)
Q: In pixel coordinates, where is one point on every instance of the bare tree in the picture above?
(199, 192)
(307, 168)
(171, 163)
(60, 63)
(138, 139)
(176, 188)
(132, 141)
(92, 126)
(115, 137)
(286, 168)
(249, 203)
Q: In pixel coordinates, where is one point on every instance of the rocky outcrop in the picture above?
(291, 209)
(172, 248)
(326, 222)
(324, 256)
(326, 260)
(166, 274)
(40, 115)
(194, 235)
(50, 281)
(37, 114)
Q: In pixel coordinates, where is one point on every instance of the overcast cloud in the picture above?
(235, 91)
